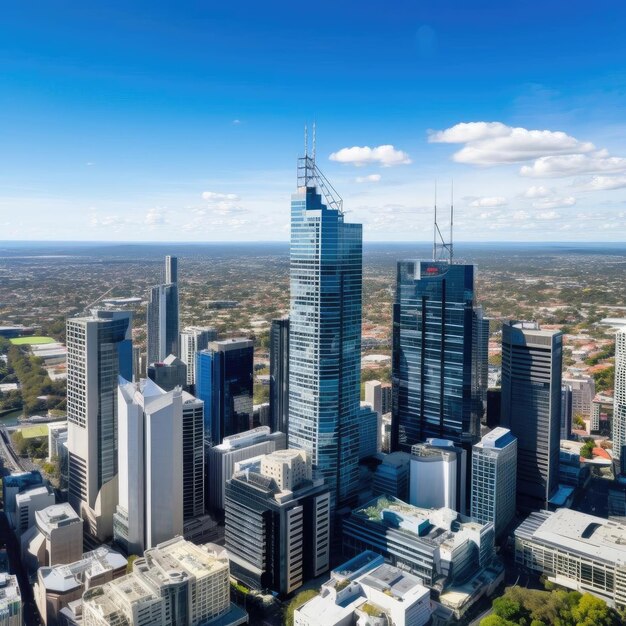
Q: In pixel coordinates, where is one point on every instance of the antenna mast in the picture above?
(442, 249)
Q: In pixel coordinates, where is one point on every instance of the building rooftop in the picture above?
(9, 589)
(587, 535)
(247, 438)
(497, 438)
(56, 516)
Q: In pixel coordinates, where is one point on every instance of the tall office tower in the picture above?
(480, 360)
(325, 332)
(224, 382)
(566, 411)
(583, 393)
(494, 469)
(193, 339)
(619, 398)
(99, 349)
(169, 373)
(279, 374)
(150, 432)
(438, 354)
(531, 407)
(374, 397)
(285, 514)
(171, 270)
(162, 322)
(193, 456)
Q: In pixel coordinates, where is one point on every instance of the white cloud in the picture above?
(600, 183)
(548, 215)
(155, 217)
(236, 122)
(385, 155)
(538, 191)
(108, 221)
(574, 165)
(372, 178)
(554, 202)
(212, 196)
(520, 216)
(489, 201)
(493, 143)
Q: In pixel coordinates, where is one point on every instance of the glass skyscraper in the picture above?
(439, 343)
(325, 332)
(279, 374)
(162, 315)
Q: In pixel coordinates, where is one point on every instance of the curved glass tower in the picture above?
(325, 332)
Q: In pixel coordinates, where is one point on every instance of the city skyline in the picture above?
(185, 126)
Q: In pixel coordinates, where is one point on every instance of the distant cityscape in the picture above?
(392, 457)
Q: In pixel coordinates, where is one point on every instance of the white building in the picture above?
(192, 340)
(374, 397)
(619, 398)
(150, 431)
(577, 551)
(368, 592)
(437, 475)
(583, 391)
(288, 468)
(56, 537)
(10, 601)
(494, 472)
(176, 583)
(221, 459)
(57, 437)
(99, 348)
(28, 503)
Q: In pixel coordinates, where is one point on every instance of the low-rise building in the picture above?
(391, 477)
(16, 483)
(27, 503)
(575, 550)
(369, 592)
(58, 586)
(10, 601)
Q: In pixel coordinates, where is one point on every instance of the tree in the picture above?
(587, 450)
(592, 611)
(496, 620)
(507, 608)
(302, 598)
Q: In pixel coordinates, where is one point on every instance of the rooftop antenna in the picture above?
(314, 142)
(451, 218)
(442, 249)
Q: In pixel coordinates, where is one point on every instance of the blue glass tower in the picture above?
(437, 387)
(325, 332)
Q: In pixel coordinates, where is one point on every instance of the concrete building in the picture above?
(59, 585)
(391, 477)
(15, 483)
(150, 508)
(575, 550)
(583, 392)
(494, 469)
(27, 503)
(367, 591)
(531, 407)
(438, 545)
(162, 316)
(370, 426)
(279, 375)
(566, 411)
(57, 437)
(278, 523)
(619, 397)
(224, 382)
(193, 339)
(175, 584)
(56, 537)
(169, 373)
(438, 475)
(221, 459)
(99, 349)
(10, 601)
(374, 397)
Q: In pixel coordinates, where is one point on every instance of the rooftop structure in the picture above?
(10, 601)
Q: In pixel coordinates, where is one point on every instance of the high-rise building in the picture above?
(162, 322)
(374, 397)
(278, 523)
(99, 349)
(531, 407)
(193, 456)
(438, 366)
(494, 469)
(150, 432)
(619, 397)
(171, 270)
(325, 332)
(566, 411)
(583, 393)
(221, 459)
(193, 339)
(370, 425)
(224, 382)
(169, 373)
(279, 374)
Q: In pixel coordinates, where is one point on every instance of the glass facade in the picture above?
(435, 373)
(325, 339)
(279, 374)
(162, 322)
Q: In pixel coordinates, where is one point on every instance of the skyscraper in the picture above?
(99, 349)
(438, 354)
(150, 508)
(279, 374)
(169, 373)
(494, 468)
(619, 401)
(531, 407)
(193, 456)
(224, 382)
(325, 332)
(162, 320)
(171, 270)
(193, 339)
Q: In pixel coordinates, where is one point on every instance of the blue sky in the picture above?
(182, 121)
